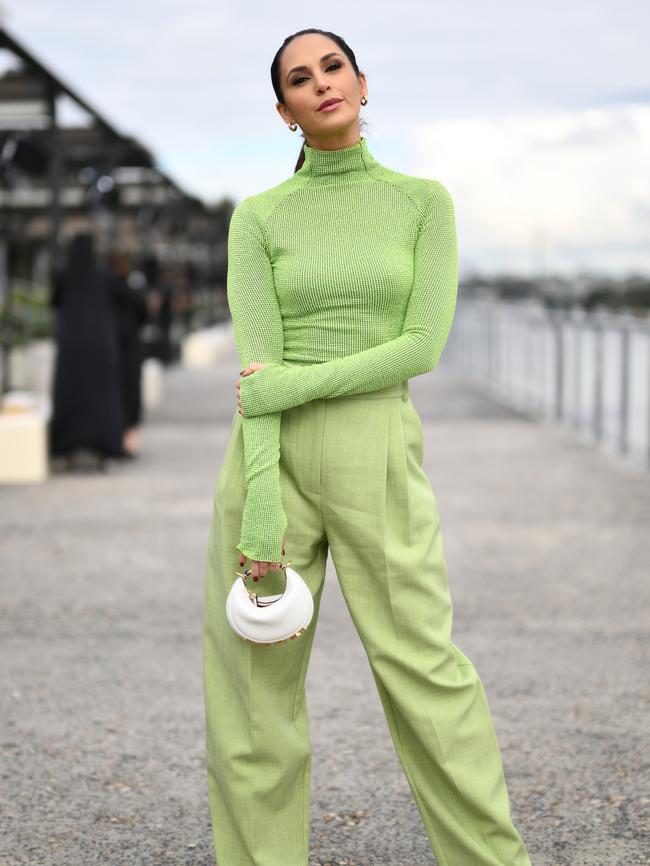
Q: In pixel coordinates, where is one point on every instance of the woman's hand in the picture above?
(259, 569)
(252, 367)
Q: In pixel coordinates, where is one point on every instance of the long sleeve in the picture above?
(427, 323)
(257, 325)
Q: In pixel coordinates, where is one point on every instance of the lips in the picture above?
(328, 102)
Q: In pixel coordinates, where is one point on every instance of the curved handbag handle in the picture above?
(254, 596)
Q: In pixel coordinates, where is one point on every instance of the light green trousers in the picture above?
(352, 480)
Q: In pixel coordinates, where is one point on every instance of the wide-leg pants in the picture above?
(352, 481)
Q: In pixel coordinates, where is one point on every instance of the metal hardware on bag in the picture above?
(254, 597)
(275, 642)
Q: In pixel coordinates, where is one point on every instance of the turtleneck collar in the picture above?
(326, 163)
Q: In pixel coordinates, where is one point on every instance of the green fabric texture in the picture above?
(353, 484)
(343, 279)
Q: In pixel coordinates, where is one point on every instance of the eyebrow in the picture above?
(324, 57)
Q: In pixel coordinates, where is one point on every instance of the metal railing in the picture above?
(589, 370)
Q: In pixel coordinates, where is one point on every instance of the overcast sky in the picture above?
(535, 116)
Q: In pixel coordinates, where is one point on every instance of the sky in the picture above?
(536, 117)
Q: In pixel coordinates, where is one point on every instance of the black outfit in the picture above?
(131, 315)
(164, 348)
(87, 403)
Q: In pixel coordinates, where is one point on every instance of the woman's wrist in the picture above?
(264, 522)
(252, 387)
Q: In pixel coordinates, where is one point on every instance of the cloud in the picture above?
(571, 182)
(535, 116)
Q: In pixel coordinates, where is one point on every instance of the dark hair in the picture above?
(275, 69)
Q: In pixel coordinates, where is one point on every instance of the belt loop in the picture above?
(405, 390)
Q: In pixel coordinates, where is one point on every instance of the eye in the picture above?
(335, 65)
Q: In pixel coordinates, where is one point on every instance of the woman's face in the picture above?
(324, 73)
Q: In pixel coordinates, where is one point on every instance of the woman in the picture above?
(342, 285)
(86, 402)
(131, 314)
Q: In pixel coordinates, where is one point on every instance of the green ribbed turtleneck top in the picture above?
(348, 272)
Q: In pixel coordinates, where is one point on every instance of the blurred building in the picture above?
(57, 179)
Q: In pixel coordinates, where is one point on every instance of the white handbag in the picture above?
(270, 619)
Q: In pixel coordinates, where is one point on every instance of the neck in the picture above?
(344, 160)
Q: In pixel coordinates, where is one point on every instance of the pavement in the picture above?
(102, 727)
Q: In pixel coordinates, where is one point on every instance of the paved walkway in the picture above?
(547, 547)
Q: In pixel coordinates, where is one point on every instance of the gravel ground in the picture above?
(547, 548)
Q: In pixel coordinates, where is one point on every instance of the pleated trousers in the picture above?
(352, 482)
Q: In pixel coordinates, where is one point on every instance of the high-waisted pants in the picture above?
(352, 481)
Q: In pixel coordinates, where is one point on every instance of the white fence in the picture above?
(590, 370)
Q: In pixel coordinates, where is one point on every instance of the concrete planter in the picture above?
(205, 348)
(24, 417)
(152, 382)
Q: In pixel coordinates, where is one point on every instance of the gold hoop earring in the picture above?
(364, 101)
(293, 127)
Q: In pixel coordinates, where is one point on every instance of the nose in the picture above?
(321, 84)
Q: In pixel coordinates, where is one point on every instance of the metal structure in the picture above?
(589, 370)
(57, 180)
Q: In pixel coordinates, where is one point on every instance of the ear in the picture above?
(363, 84)
(283, 112)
